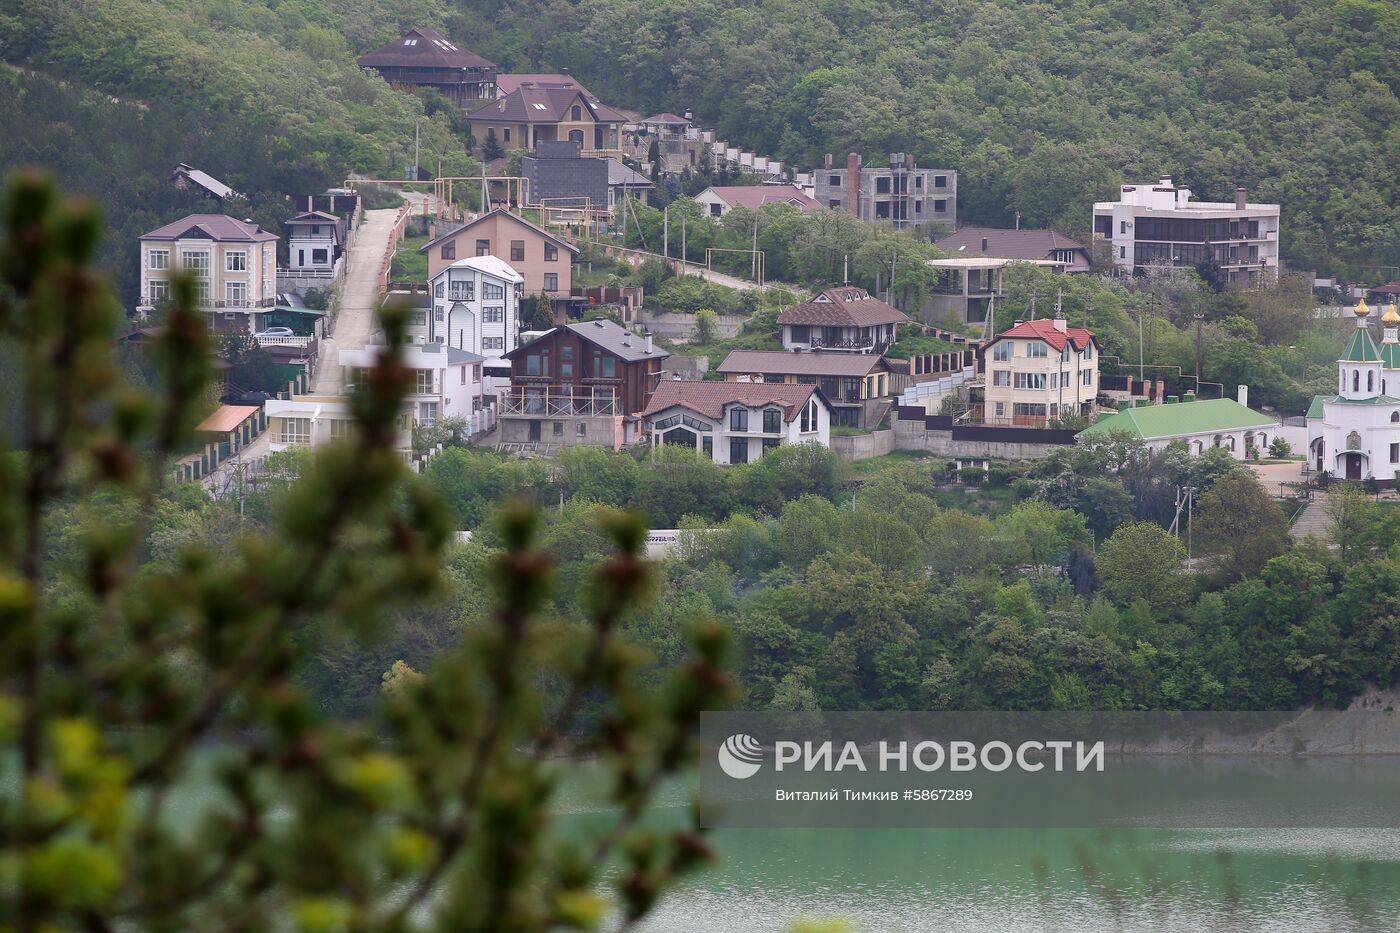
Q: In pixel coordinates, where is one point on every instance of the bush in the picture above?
(1280, 448)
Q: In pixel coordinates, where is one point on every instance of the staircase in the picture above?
(929, 395)
(1314, 519)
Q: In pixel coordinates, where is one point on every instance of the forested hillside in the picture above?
(111, 94)
(1041, 107)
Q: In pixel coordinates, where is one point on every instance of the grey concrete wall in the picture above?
(677, 326)
(689, 367)
(863, 446)
(912, 435)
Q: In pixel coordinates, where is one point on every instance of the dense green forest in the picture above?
(900, 585)
(1040, 107)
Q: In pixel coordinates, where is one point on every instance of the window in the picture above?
(295, 431)
(464, 290)
(201, 289)
(1395, 453)
(158, 259)
(1002, 351)
(940, 206)
(1370, 381)
(1036, 350)
(1122, 226)
(320, 257)
(340, 428)
(236, 261)
(882, 184)
(940, 181)
(493, 315)
(449, 250)
(492, 292)
(517, 250)
(236, 292)
(1122, 252)
(159, 290)
(476, 373)
(604, 366)
(1088, 351)
(1030, 380)
(493, 343)
(738, 450)
(505, 134)
(1064, 354)
(551, 253)
(769, 443)
(1026, 410)
(772, 421)
(558, 428)
(427, 413)
(834, 204)
(581, 429)
(716, 210)
(1055, 381)
(576, 113)
(1088, 375)
(535, 365)
(315, 229)
(833, 180)
(440, 290)
(551, 281)
(1001, 409)
(196, 263)
(483, 247)
(423, 382)
(1001, 377)
(707, 444)
(918, 183)
(738, 419)
(1356, 380)
(919, 206)
(566, 370)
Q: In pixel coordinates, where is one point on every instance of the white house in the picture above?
(1356, 433)
(1201, 425)
(233, 262)
(313, 243)
(1160, 225)
(737, 422)
(476, 308)
(313, 420)
(447, 382)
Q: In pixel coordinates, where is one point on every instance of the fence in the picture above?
(390, 251)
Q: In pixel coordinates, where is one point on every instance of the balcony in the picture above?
(293, 341)
(555, 404)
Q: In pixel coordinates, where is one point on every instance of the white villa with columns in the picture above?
(1355, 434)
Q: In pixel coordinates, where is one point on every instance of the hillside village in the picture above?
(520, 345)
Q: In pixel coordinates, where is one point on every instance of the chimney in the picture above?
(1061, 324)
(648, 335)
(689, 114)
(1239, 198)
(1165, 181)
(984, 245)
(826, 161)
(564, 71)
(1243, 395)
(909, 161)
(853, 184)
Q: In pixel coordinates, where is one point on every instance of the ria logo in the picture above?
(740, 756)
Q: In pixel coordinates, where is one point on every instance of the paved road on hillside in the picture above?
(359, 296)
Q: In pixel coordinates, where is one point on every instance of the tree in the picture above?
(251, 367)
(654, 157)
(1239, 522)
(1279, 448)
(491, 150)
(119, 684)
(706, 327)
(1143, 561)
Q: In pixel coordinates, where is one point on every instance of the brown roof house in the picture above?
(576, 384)
(737, 422)
(857, 385)
(544, 261)
(424, 58)
(233, 262)
(535, 113)
(842, 318)
(719, 201)
(1024, 245)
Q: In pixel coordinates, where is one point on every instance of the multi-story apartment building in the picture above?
(1039, 371)
(1160, 226)
(901, 193)
(447, 382)
(475, 307)
(233, 262)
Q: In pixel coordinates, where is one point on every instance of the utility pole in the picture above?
(415, 149)
(1200, 318)
(666, 232)
(753, 255)
(683, 252)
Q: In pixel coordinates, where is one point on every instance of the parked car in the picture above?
(275, 332)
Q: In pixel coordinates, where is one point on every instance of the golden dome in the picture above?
(1361, 309)
(1391, 316)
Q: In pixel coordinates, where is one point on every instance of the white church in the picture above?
(1355, 434)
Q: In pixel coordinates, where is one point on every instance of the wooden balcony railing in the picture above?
(551, 404)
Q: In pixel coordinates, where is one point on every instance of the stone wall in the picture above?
(863, 446)
(914, 430)
(680, 326)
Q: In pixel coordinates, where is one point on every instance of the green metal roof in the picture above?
(1198, 417)
(1390, 355)
(1315, 407)
(1361, 348)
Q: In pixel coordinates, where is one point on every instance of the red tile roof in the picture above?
(755, 196)
(709, 398)
(844, 306)
(219, 227)
(787, 363)
(422, 48)
(1045, 329)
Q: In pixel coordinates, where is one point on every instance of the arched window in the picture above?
(1394, 417)
(1356, 380)
(1370, 382)
(577, 114)
(576, 136)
